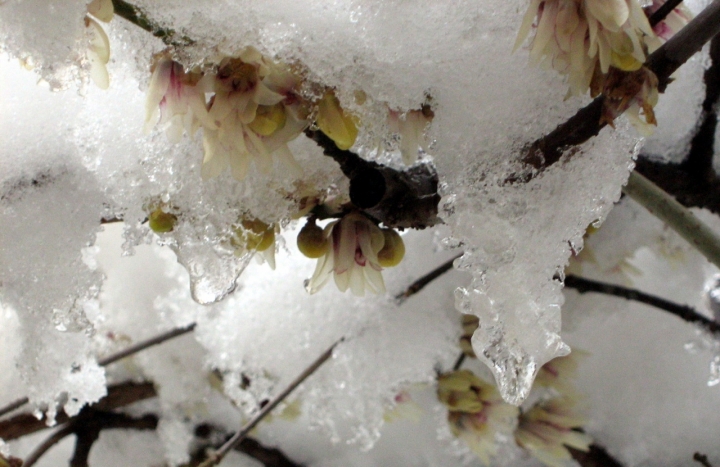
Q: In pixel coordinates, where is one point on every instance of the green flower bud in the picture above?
(311, 241)
(161, 221)
(393, 251)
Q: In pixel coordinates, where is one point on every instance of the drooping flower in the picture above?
(353, 250)
(255, 236)
(476, 411)
(337, 124)
(256, 111)
(411, 127)
(549, 428)
(575, 36)
(98, 52)
(179, 98)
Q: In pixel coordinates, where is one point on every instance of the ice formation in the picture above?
(73, 158)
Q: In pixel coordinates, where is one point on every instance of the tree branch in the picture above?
(407, 199)
(217, 456)
(420, 284)
(596, 456)
(701, 459)
(587, 122)
(137, 17)
(684, 312)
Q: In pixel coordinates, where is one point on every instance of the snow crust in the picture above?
(76, 155)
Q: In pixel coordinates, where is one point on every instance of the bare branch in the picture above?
(142, 345)
(45, 446)
(217, 456)
(420, 284)
(701, 459)
(137, 17)
(686, 313)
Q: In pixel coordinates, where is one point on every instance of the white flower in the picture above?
(178, 96)
(98, 52)
(476, 411)
(350, 255)
(255, 113)
(574, 37)
(411, 128)
(546, 431)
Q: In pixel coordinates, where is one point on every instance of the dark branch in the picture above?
(694, 182)
(701, 459)
(137, 17)
(119, 395)
(420, 284)
(686, 313)
(587, 122)
(596, 456)
(662, 12)
(407, 199)
(142, 345)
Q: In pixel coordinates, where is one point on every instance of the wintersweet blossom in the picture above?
(411, 127)
(476, 411)
(98, 52)
(255, 111)
(179, 98)
(338, 125)
(559, 372)
(547, 429)
(353, 250)
(665, 29)
(574, 37)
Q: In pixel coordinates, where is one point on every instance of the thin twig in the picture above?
(460, 360)
(112, 358)
(675, 215)
(51, 441)
(137, 17)
(142, 345)
(702, 459)
(217, 456)
(686, 313)
(420, 284)
(16, 404)
(662, 12)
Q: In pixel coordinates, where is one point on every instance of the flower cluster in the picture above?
(476, 411)
(98, 52)
(249, 108)
(354, 250)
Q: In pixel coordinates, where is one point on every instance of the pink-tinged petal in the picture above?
(545, 30)
(159, 83)
(526, 23)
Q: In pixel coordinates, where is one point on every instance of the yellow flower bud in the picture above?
(393, 251)
(311, 241)
(333, 121)
(268, 119)
(161, 222)
(254, 235)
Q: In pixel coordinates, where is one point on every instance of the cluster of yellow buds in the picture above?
(354, 250)
(476, 411)
(98, 52)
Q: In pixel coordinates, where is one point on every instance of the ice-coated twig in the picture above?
(51, 441)
(215, 457)
(684, 312)
(133, 349)
(137, 17)
(142, 345)
(420, 284)
(675, 215)
(588, 122)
